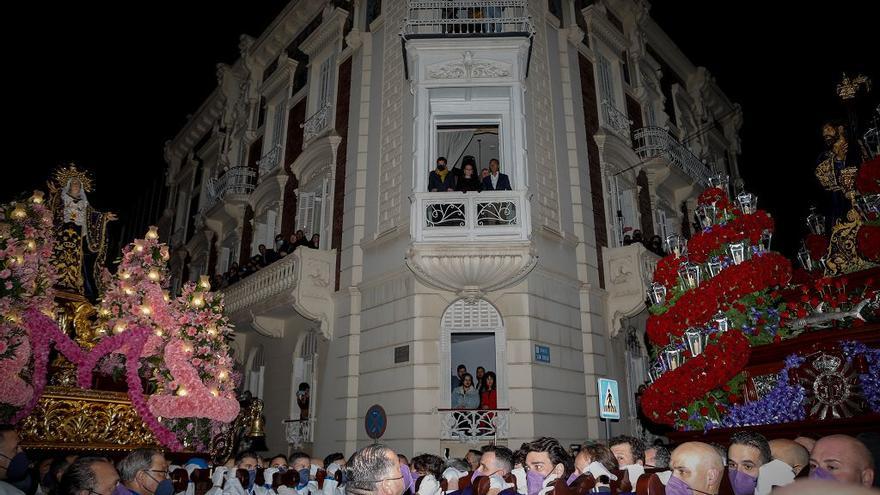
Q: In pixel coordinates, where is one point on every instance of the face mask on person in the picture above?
(535, 481)
(677, 486)
(818, 473)
(165, 487)
(409, 482)
(252, 478)
(303, 477)
(18, 466)
(742, 483)
(476, 474)
(441, 166)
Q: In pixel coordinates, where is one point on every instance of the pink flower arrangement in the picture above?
(15, 352)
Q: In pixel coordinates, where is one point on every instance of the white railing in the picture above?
(236, 180)
(487, 215)
(473, 426)
(468, 18)
(652, 142)
(274, 279)
(270, 160)
(315, 125)
(617, 121)
(298, 432)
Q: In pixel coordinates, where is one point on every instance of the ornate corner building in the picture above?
(331, 121)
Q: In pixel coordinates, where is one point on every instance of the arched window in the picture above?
(473, 334)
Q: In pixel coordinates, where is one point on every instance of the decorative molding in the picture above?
(329, 32)
(473, 269)
(469, 68)
(628, 271)
(601, 28)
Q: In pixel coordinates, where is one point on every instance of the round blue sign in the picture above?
(375, 422)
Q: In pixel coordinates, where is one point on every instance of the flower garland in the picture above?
(15, 352)
(719, 363)
(703, 244)
(817, 245)
(783, 404)
(696, 307)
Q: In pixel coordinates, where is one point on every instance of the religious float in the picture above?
(94, 361)
(740, 338)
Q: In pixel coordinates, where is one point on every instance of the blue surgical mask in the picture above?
(252, 478)
(165, 487)
(303, 478)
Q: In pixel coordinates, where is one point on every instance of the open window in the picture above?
(469, 143)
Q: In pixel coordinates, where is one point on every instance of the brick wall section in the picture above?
(645, 211)
(591, 121)
(247, 236)
(343, 101)
(292, 150)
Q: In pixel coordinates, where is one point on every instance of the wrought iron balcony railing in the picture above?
(487, 215)
(315, 125)
(270, 160)
(654, 142)
(473, 426)
(236, 180)
(615, 120)
(431, 18)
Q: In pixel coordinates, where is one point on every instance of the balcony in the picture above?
(298, 285)
(628, 272)
(471, 243)
(234, 181)
(474, 426)
(316, 124)
(615, 120)
(298, 432)
(486, 216)
(657, 142)
(463, 18)
(269, 162)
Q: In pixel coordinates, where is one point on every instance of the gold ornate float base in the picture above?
(75, 419)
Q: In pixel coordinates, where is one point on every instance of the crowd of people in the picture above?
(749, 464)
(466, 178)
(470, 393)
(265, 257)
(654, 244)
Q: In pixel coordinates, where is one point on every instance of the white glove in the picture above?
(451, 475)
(286, 490)
(331, 470)
(233, 486)
(268, 474)
(597, 469)
(634, 471)
(497, 482)
(219, 475)
(330, 486)
(774, 473)
(664, 477)
(313, 470)
(545, 487)
(429, 486)
(190, 486)
(173, 467)
(520, 475)
(263, 490)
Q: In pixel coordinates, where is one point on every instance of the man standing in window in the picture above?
(496, 180)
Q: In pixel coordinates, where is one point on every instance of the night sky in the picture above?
(108, 84)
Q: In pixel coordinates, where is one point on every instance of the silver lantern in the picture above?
(690, 275)
(673, 357)
(696, 340)
(722, 323)
(657, 293)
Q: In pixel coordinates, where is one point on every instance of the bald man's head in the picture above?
(844, 458)
(791, 453)
(699, 465)
(806, 442)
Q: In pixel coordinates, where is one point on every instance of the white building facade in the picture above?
(331, 121)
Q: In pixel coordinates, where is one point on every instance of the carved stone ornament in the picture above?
(469, 68)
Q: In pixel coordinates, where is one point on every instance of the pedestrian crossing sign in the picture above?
(609, 399)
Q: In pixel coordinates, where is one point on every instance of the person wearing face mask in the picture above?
(789, 461)
(144, 472)
(13, 461)
(440, 179)
(495, 463)
(374, 470)
(89, 476)
(594, 466)
(248, 461)
(630, 454)
(842, 458)
(545, 462)
(697, 468)
(428, 469)
(748, 451)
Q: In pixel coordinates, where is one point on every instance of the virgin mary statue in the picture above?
(80, 232)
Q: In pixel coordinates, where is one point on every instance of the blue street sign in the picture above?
(609, 399)
(542, 353)
(375, 422)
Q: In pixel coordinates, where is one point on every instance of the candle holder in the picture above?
(696, 340)
(690, 275)
(657, 293)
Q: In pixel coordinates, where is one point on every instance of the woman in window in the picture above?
(469, 180)
(466, 396)
(488, 394)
